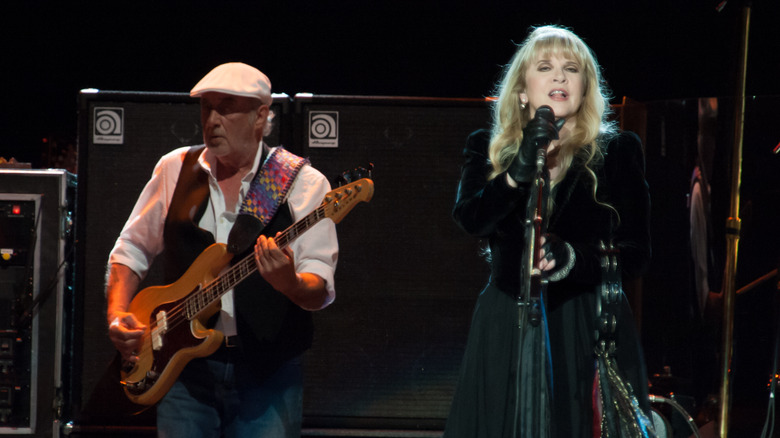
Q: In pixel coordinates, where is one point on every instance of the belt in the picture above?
(232, 341)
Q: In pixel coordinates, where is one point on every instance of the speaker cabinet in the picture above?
(387, 352)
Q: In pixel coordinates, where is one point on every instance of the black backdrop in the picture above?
(386, 353)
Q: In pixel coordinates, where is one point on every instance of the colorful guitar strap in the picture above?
(267, 192)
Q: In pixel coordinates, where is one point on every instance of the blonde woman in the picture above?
(597, 193)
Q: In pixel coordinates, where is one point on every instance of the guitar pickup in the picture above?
(159, 330)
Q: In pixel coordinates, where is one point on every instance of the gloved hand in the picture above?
(539, 132)
(556, 257)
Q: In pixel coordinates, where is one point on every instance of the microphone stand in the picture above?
(534, 285)
(531, 349)
(732, 236)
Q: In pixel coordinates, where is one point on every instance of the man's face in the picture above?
(230, 123)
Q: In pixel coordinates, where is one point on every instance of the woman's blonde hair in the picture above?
(593, 125)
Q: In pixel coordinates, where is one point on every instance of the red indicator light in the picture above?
(16, 209)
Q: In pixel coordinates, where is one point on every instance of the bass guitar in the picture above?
(176, 314)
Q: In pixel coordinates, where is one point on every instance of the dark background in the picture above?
(650, 50)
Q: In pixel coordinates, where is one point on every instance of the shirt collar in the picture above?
(207, 160)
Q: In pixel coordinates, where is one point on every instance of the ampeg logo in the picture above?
(109, 126)
(323, 129)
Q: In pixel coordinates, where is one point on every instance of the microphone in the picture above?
(546, 113)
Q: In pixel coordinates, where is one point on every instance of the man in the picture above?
(252, 385)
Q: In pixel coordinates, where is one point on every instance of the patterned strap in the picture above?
(271, 184)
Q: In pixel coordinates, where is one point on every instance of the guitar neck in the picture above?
(245, 267)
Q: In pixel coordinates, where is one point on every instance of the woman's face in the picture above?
(554, 81)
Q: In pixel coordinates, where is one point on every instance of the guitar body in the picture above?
(172, 339)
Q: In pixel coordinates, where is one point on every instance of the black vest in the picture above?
(272, 328)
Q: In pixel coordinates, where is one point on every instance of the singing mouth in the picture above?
(558, 93)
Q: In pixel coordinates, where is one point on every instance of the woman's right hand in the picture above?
(539, 132)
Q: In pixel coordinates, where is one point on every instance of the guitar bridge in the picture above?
(134, 387)
(139, 387)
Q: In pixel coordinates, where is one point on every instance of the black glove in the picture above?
(556, 249)
(539, 132)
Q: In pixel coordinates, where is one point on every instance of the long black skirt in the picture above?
(507, 360)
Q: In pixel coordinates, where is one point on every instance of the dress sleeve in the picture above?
(481, 203)
(629, 193)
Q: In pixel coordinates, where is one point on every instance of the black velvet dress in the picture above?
(485, 399)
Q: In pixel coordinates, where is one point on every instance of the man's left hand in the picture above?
(276, 265)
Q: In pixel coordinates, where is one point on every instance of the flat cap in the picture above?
(235, 78)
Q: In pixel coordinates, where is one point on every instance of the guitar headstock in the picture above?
(340, 201)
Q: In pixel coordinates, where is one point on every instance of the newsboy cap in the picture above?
(235, 78)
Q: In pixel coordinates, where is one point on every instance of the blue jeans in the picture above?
(218, 397)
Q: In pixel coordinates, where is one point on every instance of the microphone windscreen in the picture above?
(546, 113)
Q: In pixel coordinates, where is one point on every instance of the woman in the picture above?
(597, 194)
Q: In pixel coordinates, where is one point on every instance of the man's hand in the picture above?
(277, 266)
(126, 332)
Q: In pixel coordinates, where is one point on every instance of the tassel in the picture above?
(621, 415)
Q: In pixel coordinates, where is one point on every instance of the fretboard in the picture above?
(213, 291)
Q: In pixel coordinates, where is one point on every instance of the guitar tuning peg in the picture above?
(355, 174)
(341, 180)
(363, 172)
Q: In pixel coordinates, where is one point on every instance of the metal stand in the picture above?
(732, 234)
(533, 284)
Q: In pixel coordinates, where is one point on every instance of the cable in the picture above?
(678, 408)
(769, 423)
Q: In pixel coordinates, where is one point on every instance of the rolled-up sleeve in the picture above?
(316, 251)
